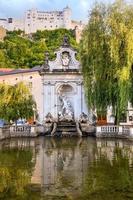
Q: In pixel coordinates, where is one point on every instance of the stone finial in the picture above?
(45, 65)
(46, 60)
(65, 41)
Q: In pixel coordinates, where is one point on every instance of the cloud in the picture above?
(84, 4)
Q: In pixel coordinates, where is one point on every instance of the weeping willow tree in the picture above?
(16, 102)
(106, 53)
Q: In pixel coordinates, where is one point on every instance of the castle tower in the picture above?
(67, 13)
(30, 21)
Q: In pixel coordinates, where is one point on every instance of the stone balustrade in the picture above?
(20, 131)
(113, 131)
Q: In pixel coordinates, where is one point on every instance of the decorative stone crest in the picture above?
(65, 59)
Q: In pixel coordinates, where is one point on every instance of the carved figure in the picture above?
(49, 118)
(83, 118)
(66, 109)
(90, 119)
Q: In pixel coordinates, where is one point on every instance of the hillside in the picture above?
(21, 51)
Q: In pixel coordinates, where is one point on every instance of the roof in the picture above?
(18, 71)
(6, 69)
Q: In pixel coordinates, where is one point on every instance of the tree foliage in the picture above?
(107, 57)
(22, 51)
(16, 102)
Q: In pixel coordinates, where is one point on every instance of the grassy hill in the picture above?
(22, 51)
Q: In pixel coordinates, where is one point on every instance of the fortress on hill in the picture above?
(43, 20)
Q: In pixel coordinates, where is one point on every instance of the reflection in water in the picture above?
(81, 169)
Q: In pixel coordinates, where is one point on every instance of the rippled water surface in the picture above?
(66, 169)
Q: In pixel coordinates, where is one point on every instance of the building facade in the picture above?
(12, 24)
(41, 20)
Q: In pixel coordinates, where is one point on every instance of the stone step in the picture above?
(68, 125)
(64, 129)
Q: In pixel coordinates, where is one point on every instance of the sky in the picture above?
(16, 8)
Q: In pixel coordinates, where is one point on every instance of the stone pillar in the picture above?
(53, 103)
(42, 96)
(85, 108)
(78, 101)
(47, 98)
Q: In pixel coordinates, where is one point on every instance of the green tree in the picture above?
(16, 102)
(21, 51)
(4, 63)
(106, 56)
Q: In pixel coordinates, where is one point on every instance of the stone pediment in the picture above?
(65, 59)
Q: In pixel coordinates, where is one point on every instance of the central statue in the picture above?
(66, 113)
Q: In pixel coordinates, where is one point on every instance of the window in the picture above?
(30, 85)
(130, 118)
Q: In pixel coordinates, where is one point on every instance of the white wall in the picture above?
(40, 20)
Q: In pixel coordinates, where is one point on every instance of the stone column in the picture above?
(78, 100)
(53, 103)
(42, 96)
(47, 98)
(84, 104)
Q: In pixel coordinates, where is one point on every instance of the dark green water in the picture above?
(66, 169)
